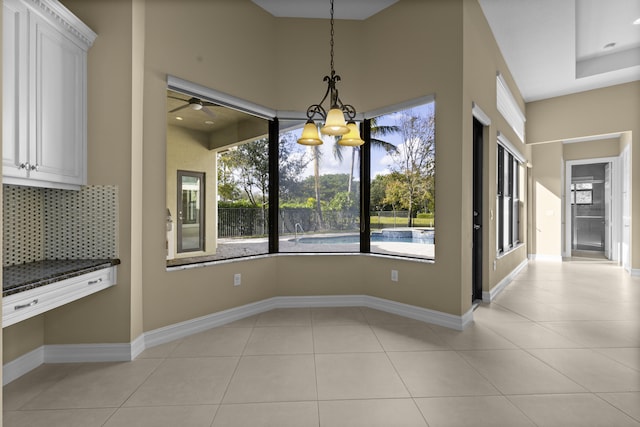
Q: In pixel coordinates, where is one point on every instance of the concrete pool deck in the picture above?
(235, 248)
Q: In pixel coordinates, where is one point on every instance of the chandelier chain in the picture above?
(334, 116)
(331, 44)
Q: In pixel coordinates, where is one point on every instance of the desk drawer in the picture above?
(23, 305)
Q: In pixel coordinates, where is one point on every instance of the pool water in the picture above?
(422, 238)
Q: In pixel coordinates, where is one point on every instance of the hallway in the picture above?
(560, 346)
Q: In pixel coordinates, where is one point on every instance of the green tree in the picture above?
(292, 161)
(378, 192)
(415, 158)
(227, 188)
(377, 131)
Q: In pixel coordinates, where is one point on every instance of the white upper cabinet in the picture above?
(44, 94)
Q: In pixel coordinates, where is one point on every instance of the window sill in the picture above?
(288, 254)
(504, 254)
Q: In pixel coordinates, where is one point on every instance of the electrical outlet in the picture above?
(394, 275)
(237, 279)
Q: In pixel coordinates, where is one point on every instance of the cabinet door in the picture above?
(14, 89)
(58, 148)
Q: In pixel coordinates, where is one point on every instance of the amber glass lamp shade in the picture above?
(351, 139)
(335, 124)
(310, 135)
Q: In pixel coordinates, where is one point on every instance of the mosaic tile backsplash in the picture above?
(43, 223)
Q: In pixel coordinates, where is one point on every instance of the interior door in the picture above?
(477, 255)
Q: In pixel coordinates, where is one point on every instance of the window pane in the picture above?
(506, 212)
(403, 183)
(516, 202)
(319, 194)
(243, 200)
(500, 201)
(508, 200)
(584, 197)
(227, 216)
(191, 210)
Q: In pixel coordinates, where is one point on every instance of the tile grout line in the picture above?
(235, 370)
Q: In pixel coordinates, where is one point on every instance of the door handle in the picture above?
(476, 227)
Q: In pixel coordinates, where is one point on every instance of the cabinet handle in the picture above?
(34, 167)
(94, 282)
(29, 304)
(25, 166)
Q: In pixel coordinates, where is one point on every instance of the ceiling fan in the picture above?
(196, 105)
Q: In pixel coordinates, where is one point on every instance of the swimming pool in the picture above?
(398, 236)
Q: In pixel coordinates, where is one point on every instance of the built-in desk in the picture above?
(33, 288)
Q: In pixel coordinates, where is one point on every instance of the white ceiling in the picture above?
(556, 47)
(343, 9)
(552, 47)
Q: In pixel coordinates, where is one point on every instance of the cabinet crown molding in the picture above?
(56, 10)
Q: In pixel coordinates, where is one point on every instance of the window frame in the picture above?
(201, 176)
(508, 213)
(276, 119)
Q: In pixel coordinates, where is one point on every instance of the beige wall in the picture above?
(482, 60)
(22, 337)
(237, 48)
(546, 199)
(440, 47)
(192, 40)
(137, 114)
(189, 150)
(591, 149)
(439, 285)
(597, 112)
(108, 316)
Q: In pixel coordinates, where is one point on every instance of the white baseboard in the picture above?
(73, 353)
(193, 326)
(118, 352)
(634, 272)
(199, 324)
(23, 364)
(137, 346)
(490, 296)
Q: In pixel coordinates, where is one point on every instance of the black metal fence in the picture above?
(245, 222)
(239, 222)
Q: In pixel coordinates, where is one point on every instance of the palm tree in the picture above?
(316, 175)
(355, 158)
(376, 132)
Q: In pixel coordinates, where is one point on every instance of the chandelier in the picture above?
(335, 123)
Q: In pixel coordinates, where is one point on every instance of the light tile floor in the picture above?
(559, 347)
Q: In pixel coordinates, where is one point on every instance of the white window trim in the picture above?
(400, 106)
(221, 98)
(509, 108)
(511, 149)
(504, 141)
(479, 114)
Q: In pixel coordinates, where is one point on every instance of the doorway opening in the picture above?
(477, 255)
(592, 209)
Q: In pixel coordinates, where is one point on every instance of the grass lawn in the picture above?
(383, 221)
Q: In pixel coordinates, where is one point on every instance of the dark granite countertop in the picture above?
(22, 277)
